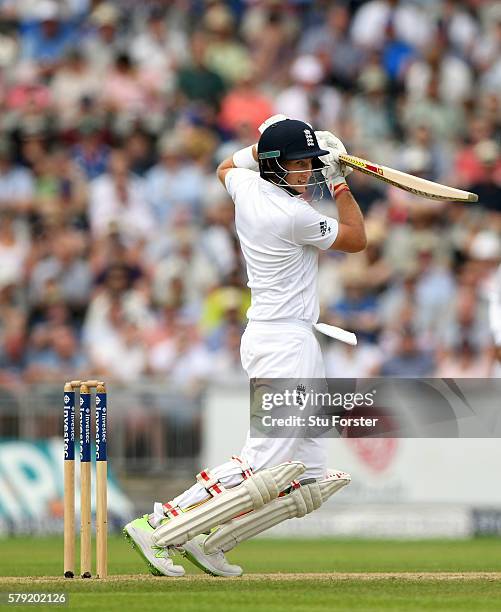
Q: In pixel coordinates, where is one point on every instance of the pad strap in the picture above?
(212, 485)
(243, 465)
(295, 484)
(171, 511)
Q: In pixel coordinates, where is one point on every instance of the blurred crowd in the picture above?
(118, 253)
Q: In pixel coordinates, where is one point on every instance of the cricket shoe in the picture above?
(214, 564)
(138, 534)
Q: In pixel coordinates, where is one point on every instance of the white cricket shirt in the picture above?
(280, 236)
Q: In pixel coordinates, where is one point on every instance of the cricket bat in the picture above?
(414, 184)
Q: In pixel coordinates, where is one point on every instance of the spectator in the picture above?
(270, 33)
(369, 111)
(225, 55)
(103, 41)
(465, 361)
(61, 358)
(411, 23)
(460, 28)
(138, 148)
(125, 90)
(366, 191)
(245, 104)
(444, 120)
(468, 167)
(197, 82)
(230, 295)
(424, 154)
(357, 310)
(188, 263)
(14, 249)
(307, 99)
(122, 339)
(13, 332)
(453, 75)
(158, 51)
(487, 48)
(219, 240)
(226, 364)
(90, 153)
(27, 92)
(118, 200)
(175, 183)
(331, 42)
(231, 321)
(60, 192)
(488, 184)
(400, 298)
(183, 359)
(16, 183)
(119, 299)
(74, 81)
(64, 271)
(48, 38)
(409, 361)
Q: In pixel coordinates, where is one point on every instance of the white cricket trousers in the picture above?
(285, 349)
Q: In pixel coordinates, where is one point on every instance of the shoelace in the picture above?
(220, 555)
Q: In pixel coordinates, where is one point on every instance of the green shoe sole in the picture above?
(153, 570)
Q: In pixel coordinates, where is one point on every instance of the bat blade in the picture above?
(408, 182)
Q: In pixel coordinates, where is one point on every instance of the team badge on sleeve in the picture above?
(324, 228)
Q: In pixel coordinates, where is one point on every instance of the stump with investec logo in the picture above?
(85, 400)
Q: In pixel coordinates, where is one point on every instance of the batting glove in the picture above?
(335, 172)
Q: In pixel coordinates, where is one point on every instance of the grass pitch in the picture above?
(284, 575)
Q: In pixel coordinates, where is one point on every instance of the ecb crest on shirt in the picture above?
(324, 228)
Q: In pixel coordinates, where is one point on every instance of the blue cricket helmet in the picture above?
(287, 140)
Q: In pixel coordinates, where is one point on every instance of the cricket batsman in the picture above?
(280, 234)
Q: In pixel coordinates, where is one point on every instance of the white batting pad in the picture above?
(301, 501)
(252, 494)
